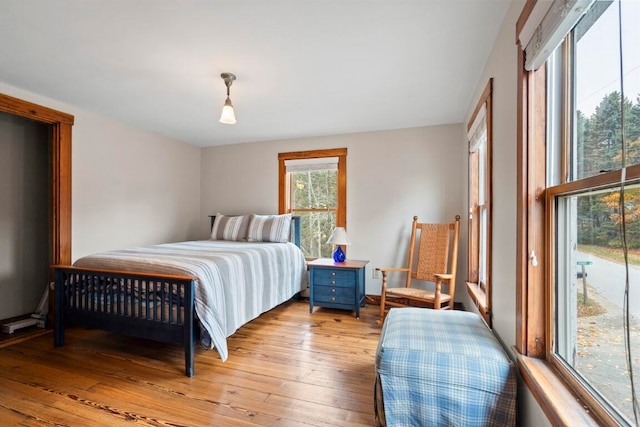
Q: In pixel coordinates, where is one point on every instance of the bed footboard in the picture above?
(151, 306)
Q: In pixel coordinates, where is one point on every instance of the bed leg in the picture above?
(58, 321)
(189, 330)
(188, 354)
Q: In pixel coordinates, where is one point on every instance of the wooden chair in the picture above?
(436, 261)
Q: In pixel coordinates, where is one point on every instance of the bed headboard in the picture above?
(294, 233)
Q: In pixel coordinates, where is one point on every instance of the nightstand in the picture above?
(336, 285)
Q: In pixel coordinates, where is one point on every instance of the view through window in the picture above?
(594, 198)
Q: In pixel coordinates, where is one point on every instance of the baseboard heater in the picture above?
(39, 318)
(10, 328)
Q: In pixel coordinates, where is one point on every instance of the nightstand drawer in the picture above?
(334, 294)
(334, 277)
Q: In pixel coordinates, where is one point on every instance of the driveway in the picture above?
(608, 278)
(601, 344)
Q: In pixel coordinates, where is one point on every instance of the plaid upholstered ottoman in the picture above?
(442, 368)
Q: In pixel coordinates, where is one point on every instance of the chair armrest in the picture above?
(444, 276)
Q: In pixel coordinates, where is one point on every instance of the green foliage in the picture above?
(599, 148)
(314, 199)
(599, 142)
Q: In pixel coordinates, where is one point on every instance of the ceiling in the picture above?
(303, 67)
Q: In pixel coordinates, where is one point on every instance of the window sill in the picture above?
(554, 397)
(479, 299)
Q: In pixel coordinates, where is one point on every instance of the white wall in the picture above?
(129, 187)
(391, 176)
(502, 66)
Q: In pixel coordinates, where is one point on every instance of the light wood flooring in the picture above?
(286, 368)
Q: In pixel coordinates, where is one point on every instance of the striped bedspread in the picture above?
(236, 281)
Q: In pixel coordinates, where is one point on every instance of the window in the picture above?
(479, 249)
(579, 201)
(313, 186)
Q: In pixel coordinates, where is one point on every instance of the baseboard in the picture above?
(372, 299)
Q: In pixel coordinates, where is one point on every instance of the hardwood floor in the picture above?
(286, 368)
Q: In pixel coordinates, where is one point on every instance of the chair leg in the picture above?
(383, 297)
(437, 303)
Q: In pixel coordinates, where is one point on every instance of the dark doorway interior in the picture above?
(25, 217)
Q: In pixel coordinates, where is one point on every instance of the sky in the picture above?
(598, 57)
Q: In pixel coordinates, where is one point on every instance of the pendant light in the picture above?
(228, 116)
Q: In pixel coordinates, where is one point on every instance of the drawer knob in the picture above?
(333, 282)
(333, 298)
(333, 273)
(333, 290)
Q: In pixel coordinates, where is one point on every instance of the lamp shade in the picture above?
(228, 116)
(339, 237)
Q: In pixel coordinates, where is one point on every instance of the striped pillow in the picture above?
(269, 228)
(230, 227)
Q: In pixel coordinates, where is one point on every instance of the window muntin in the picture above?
(584, 130)
(313, 187)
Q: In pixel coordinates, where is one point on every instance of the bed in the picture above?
(170, 292)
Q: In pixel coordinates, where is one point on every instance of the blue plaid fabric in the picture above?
(443, 368)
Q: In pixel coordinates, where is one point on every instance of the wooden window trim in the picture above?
(283, 185)
(531, 334)
(544, 380)
(340, 153)
(473, 259)
(480, 293)
(559, 404)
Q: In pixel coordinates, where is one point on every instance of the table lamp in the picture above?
(339, 237)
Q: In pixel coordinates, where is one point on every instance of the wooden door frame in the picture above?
(60, 181)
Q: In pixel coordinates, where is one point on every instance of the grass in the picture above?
(591, 308)
(612, 254)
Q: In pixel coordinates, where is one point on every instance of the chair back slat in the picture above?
(433, 251)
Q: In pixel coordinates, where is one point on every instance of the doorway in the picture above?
(59, 159)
